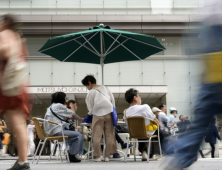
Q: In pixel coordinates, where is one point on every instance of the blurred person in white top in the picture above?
(136, 109)
(30, 132)
(100, 103)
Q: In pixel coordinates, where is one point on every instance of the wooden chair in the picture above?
(137, 130)
(43, 139)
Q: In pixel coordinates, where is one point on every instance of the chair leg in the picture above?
(60, 156)
(134, 140)
(66, 151)
(41, 150)
(52, 151)
(127, 150)
(160, 148)
(89, 148)
(36, 150)
(148, 150)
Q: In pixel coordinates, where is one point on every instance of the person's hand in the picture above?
(72, 106)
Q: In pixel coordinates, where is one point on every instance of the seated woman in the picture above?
(75, 139)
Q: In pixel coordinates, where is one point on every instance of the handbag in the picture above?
(113, 113)
(87, 119)
(14, 73)
(69, 121)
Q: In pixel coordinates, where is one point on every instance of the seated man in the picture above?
(136, 109)
(75, 139)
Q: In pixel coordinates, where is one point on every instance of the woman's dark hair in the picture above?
(11, 21)
(58, 97)
(129, 95)
(88, 78)
(161, 105)
(68, 103)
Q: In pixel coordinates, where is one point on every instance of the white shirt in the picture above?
(143, 111)
(30, 131)
(162, 118)
(99, 104)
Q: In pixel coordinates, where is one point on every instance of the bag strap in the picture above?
(57, 116)
(103, 94)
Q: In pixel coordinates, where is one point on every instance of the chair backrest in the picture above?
(38, 128)
(137, 127)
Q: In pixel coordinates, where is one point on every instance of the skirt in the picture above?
(21, 101)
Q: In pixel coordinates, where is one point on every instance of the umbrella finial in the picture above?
(101, 24)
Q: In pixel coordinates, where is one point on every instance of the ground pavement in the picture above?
(44, 164)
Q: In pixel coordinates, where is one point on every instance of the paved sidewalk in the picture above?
(44, 164)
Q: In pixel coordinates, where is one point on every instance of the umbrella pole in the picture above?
(102, 74)
(102, 56)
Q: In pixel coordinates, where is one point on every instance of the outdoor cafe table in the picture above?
(104, 143)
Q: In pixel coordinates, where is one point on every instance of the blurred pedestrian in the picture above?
(209, 99)
(211, 136)
(14, 105)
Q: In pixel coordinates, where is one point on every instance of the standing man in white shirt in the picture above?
(100, 103)
(136, 109)
(30, 132)
(163, 119)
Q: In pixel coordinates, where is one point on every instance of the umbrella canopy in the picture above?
(101, 45)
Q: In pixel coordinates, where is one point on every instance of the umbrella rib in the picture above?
(90, 44)
(111, 44)
(61, 43)
(124, 47)
(117, 46)
(86, 47)
(141, 42)
(78, 47)
(72, 53)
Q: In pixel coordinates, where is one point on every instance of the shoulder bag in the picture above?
(69, 121)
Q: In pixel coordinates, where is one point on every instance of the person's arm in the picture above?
(80, 119)
(164, 118)
(216, 133)
(157, 121)
(73, 108)
(76, 117)
(90, 102)
(150, 115)
(173, 123)
(5, 125)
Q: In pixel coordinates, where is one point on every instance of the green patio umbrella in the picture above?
(101, 45)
